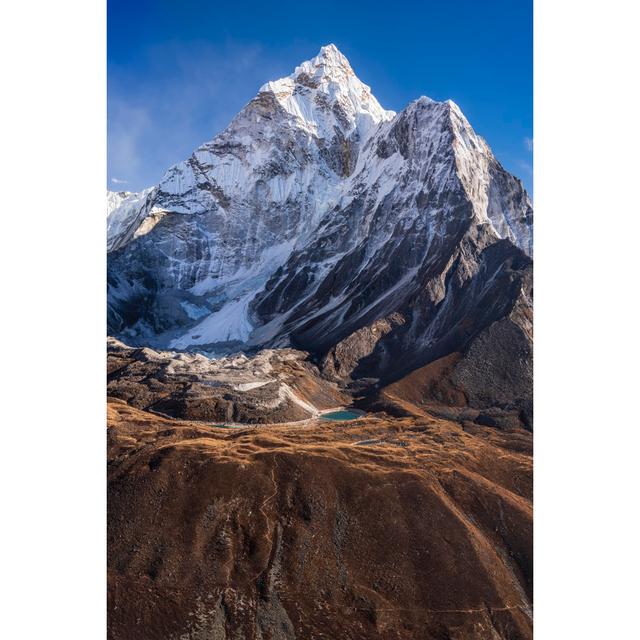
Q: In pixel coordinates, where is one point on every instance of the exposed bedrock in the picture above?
(272, 386)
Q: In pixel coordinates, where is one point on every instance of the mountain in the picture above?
(382, 243)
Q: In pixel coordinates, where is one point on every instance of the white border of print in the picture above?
(53, 141)
(586, 323)
(52, 263)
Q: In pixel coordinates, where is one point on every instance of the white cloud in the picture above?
(528, 142)
(118, 181)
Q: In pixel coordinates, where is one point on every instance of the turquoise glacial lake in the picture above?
(343, 414)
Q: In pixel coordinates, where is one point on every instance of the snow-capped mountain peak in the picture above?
(314, 214)
(329, 66)
(324, 93)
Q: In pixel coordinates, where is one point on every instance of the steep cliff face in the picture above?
(314, 218)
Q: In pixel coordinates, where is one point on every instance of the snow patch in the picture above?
(228, 324)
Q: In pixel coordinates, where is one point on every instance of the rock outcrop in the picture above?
(272, 386)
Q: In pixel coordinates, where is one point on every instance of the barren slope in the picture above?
(413, 527)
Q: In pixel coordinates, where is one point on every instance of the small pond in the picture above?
(343, 414)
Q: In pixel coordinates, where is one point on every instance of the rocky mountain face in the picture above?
(378, 242)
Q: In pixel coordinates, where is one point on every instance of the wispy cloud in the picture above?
(128, 127)
(528, 143)
(118, 181)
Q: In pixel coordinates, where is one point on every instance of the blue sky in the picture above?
(179, 71)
